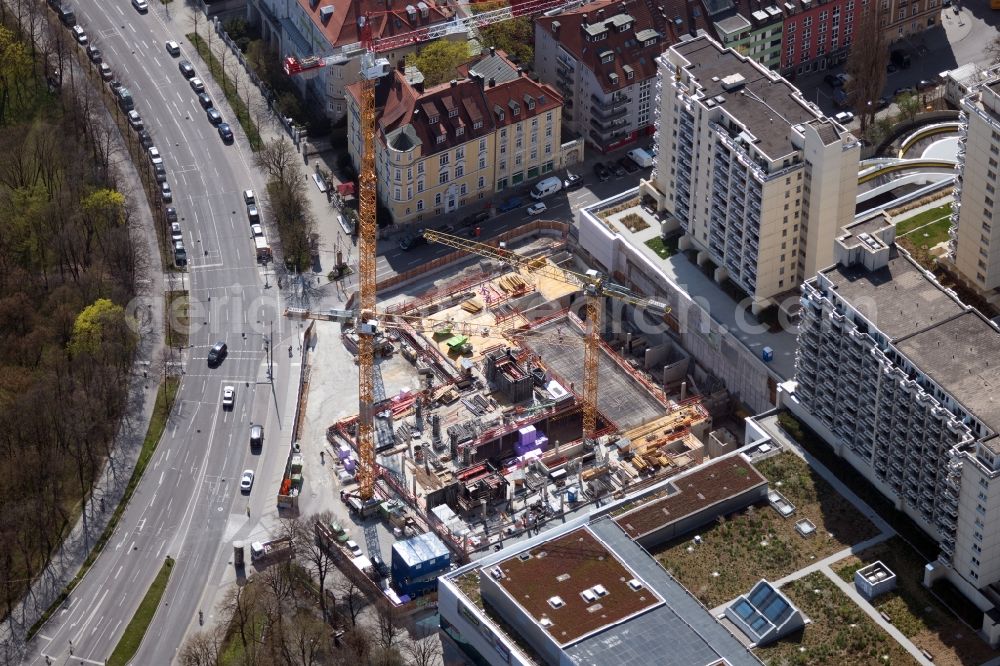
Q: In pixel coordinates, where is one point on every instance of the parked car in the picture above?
(477, 218)
(617, 169)
(413, 240)
(145, 139)
(601, 172)
(159, 173)
(135, 120)
(572, 181)
(890, 68)
(80, 35)
(180, 254)
(165, 193)
(924, 84)
(175, 232)
(171, 213)
(173, 48)
(844, 117)
(904, 90)
(197, 85)
(187, 69)
(353, 547)
(883, 102)
(217, 354)
(832, 80)
(225, 132)
(205, 100)
(140, 6)
(94, 54)
(246, 481)
(900, 58)
(536, 208)
(509, 205)
(105, 70)
(253, 214)
(628, 164)
(214, 116)
(249, 198)
(115, 85)
(228, 397)
(257, 230)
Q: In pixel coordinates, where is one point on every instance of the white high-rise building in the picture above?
(901, 378)
(758, 178)
(974, 246)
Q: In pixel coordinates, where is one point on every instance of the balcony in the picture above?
(618, 100)
(609, 115)
(564, 74)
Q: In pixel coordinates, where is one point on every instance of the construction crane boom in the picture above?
(456, 25)
(595, 287)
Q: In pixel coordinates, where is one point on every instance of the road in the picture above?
(188, 504)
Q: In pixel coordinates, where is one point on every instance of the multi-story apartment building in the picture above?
(754, 28)
(461, 142)
(900, 378)
(601, 58)
(974, 246)
(756, 177)
(900, 19)
(303, 28)
(818, 35)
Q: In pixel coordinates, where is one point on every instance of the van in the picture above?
(544, 188)
(67, 17)
(641, 157)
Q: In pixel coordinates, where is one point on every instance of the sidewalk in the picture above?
(109, 488)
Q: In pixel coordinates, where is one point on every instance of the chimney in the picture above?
(493, 82)
(454, 83)
(520, 72)
(418, 86)
(493, 50)
(600, 14)
(401, 65)
(584, 23)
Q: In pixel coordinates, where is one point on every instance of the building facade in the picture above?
(974, 246)
(755, 31)
(758, 180)
(601, 58)
(897, 375)
(818, 35)
(460, 143)
(304, 28)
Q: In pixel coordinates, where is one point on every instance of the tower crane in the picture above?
(595, 286)
(373, 68)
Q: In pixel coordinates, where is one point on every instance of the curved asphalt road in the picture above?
(188, 505)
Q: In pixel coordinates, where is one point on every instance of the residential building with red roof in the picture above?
(459, 143)
(303, 28)
(602, 58)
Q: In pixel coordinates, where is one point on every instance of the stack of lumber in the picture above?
(512, 283)
(473, 305)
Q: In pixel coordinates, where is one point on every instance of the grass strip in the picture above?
(136, 629)
(157, 424)
(229, 89)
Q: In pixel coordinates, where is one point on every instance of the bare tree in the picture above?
(203, 648)
(867, 65)
(196, 17)
(278, 159)
(352, 600)
(239, 607)
(309, 550)
(307, 640)
(423, 651)
(390, 622)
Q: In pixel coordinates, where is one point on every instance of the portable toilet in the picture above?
(767, 355)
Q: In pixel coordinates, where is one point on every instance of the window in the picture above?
(420, 167)
(459, 131)
(482, 182)
(482, 162)
(437, 199)
(461, 190)
(459, 171)
(478, 125)
(398, 175)
(420, 186)
(434, 120)
(443, 178)
(460, 152)
(443, 160)
(482, 145)
(441, 138)
(453, 113)
(397, 194)
(420, 204)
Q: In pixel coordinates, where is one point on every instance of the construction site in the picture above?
(489, 441)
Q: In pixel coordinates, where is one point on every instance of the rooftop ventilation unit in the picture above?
(600, 590)
(326, 13)
(545, 622)
(496, 573)
(589, 596)
(556, 602)
(524, 557)
(719, 99)
(635, 584)
(733, 82)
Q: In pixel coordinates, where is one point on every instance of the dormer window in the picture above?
(529, 102)
(453, 113)
(459, 131)
(434, 120)
(442, 137)
(477, 125)
(629, 72)
(607, 56)
(625, 27)
(515, 108)
(497, 109)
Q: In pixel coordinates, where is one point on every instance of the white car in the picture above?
(80, 34)
(228, 397)
(197, 85)
(166, 193)
(175, 232)
(257, 230)
(249, 198)
(140, 6)
(154, 155)
(844, 117)
(536, 208)
(135, 120)
(246, 481)
(353, 547)
(173, 48)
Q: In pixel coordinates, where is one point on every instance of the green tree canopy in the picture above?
(89, 327)
(437, 61)
(104, 207)
(516, 37)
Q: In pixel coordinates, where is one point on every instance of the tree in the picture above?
(92, 327)
(437, 61)
(351, 599)
(203, 648)
(309, 550)
(389, 625)
(867, 65)
(423, 651)
(909, 106)
(239, 606)
(277, 158)
(515, 37)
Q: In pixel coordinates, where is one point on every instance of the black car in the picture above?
(617, 169)
(832, 81)
(187, 69)
(412, 241)
(572, 181)
(225, 133)
(602, 172)
(256, 437)
(94, 54)
(171, 214)
(924, 84)
(628, 164)
(478, 218)
(217, 353)
(205, 100)
(214, 116)
(145, 139)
